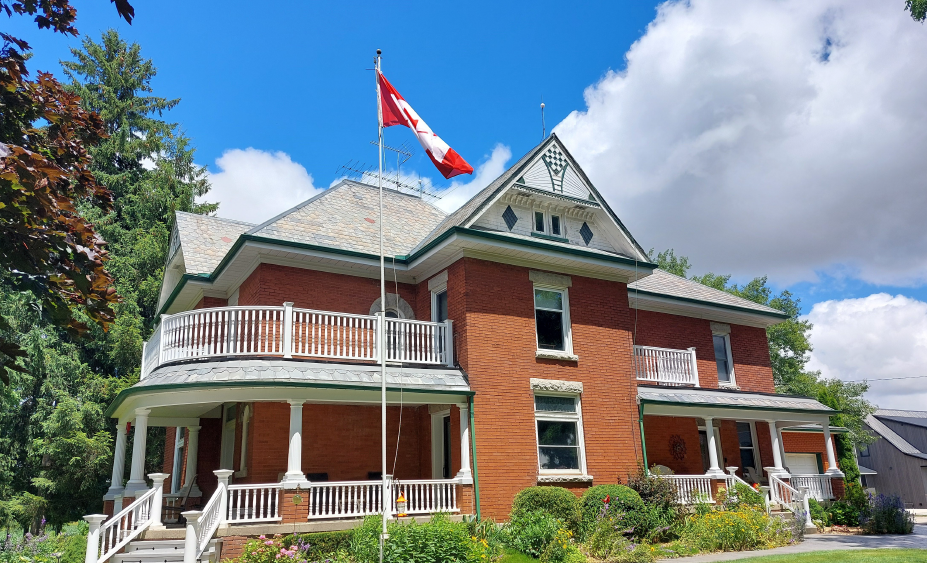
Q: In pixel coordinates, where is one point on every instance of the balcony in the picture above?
(289, 332)
(666, 366)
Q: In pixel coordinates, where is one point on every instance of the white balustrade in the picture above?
(427, 496)
(819, 486)
(666, 366)
(691, 489)
(254, 503)
(344, 499)
(211, 517)
(783, 493)
(125, 526)
(287, 332)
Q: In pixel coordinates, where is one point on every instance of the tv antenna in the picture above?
(367, 174)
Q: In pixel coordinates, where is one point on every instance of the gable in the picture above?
(553, 172)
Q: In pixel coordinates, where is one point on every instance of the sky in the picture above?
(773, 137)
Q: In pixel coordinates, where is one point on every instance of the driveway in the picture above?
(823, 542)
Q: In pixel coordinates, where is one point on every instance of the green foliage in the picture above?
(653, 490)
(623, 502)
(735, 530)
(556, 501)
(669, 262)
(438, 541)
(818, 513)
(529, 532)
(609, 542)
(858, 498)
(888, 516)
(562, 550)
(742, 496)
(918, 9)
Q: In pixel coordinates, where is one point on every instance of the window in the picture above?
(748, 454)
(559, 434)
(548, 223)
(177, 469)
(551, 319)
(723, 359)
(863, 450)
(439, 307)
(539, 221)
(555, 225)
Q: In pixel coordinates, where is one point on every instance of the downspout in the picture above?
(643, 442)
(476, 474)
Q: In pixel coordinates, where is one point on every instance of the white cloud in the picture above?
(254, 185)
(874, 337)
(780, 137)
(459, 192)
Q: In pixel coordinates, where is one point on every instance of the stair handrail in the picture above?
(209, 521)
(123, 527)
(779, 489)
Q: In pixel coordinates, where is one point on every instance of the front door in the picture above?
(441, 445)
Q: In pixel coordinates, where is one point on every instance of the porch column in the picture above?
(294, 465)
(464, 475)
(714, 470)
(832, 468)
(119, 463)
(774, 438)
(193, 447)
(137, 476)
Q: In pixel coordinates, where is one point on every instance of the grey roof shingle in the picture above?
(714, 397)
(664, 283)
(345, 217)
(894, 439)
(205, 240)
(916, 418)
(282, 371)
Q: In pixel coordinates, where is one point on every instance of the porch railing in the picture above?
(254, 503)
(345, 499)
(666, 366)
(691, 489)
(123, 527)
(427, 496)
(286, 331)
(819, 486)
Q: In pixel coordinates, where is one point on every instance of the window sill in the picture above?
(550, 237)
(568, 478)
(728, 386)
(556, 355)
(240, 474)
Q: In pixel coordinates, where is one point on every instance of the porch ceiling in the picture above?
(194, 388)
(722, 403)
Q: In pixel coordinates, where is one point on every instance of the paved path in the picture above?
(822, 542)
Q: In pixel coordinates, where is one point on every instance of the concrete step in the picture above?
(162, 551)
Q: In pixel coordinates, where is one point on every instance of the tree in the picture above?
(918, 9)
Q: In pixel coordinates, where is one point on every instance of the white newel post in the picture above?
(223, 475)
(288, 329)
(144, 348)
(805, 493)
(119, 462)
(193, 446)
(465, 476)
(157, 483)
(137, 477)
(774, 438)
(694, 363)
(93, 537)
(294, 472)
(190, 543)
(449, 343)
(832, 468)
(714, 470)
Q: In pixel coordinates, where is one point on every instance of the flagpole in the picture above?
(382, 324)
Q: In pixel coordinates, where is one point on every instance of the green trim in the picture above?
(550, 237)
(643, 441)
(817, 457)
(712, 304)
(231, 384)
(476, 474)
(737, 407)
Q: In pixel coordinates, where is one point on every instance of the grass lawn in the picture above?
(516, 557)
(845, 556)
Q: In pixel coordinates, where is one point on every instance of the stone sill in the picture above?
(554, 355)
(564, 478)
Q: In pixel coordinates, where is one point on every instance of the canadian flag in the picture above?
(394, 110)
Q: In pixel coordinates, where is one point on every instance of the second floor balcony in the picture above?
(666, 366)
(288, 332)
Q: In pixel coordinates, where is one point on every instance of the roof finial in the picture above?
(543, 127)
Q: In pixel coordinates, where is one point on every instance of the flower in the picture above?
(269, 542)
(262, 537)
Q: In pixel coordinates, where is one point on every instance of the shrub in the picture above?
(653, 490)
(742, 496)
(735, 530)
(623, 503)
(556, 501)
(857, 498)
(529, 532)
(818, 513)
(608, 542)
(888, 516)
(562, 550)
(437, 541)
(842, 513)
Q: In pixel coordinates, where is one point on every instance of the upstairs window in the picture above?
(559, 434)
(551, 319)
(539, 222)
(440, 307)
(548, 223)
(721, 338)
(555, 226)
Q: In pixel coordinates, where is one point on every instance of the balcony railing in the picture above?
(666, 366)
(287, 332)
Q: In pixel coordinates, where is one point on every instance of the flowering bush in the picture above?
(735, 530)
(742, 496)
(614, 500)
(888, 516)
(68, 547)
(562, 550)
(612, 542)
(438, 541)
(530, 532)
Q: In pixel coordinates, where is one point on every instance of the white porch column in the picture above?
(775, 439)
(464, 475)
(137, 476)
(832, 468)
(119, 463)
(714, 470)
(294, 465)
(193, 447)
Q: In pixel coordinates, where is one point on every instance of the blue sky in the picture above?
(771, 137)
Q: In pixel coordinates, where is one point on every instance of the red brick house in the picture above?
(529, 341)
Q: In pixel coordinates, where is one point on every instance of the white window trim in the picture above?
(548, 223)
(567, 352)
(437, 443)
(732, 384)
(580, 438)
(177, 465)
(243, 456)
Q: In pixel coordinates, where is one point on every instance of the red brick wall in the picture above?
(492, 306)
(806, 442)
(170, 436)
(658, 437)
(749, 348)
(208, 451)
(207, 302)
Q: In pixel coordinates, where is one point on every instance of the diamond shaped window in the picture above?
(586, 233)
(510, 218)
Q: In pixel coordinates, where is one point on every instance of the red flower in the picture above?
(607, 499)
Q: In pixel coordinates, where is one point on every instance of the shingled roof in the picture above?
(893, 438)
(345, 217)
(663, 283)
(205, 240)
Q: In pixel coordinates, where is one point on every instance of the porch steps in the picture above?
(162, 551)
